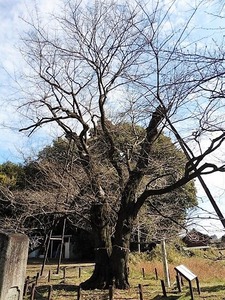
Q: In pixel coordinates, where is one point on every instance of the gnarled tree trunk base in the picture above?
(100, 279)
(108, 271)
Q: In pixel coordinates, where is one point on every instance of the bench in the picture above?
(184, 272)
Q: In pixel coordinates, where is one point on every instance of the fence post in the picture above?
(79, 296)
(37, 277)
(156, 274)
(79, 272)
(32, 291)
(140, 292)
(64, 274)
(49, 292)
(163, 288)
(143, 273)
(49, 275)
(111, 292)
(26, 286)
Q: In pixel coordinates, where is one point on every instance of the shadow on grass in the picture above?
(213, 289)
(65, 287)
(158, 297)
(42, 290)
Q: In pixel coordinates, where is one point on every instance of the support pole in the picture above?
(178, 283)
(198, 286)
(191, 290)
(165, 263)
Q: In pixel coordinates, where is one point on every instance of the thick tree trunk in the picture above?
(120, 266)
(121, 248)
(111, 261)
(101, 277)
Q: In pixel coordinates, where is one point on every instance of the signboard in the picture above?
(184, 271)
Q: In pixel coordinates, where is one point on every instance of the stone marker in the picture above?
(13, 262)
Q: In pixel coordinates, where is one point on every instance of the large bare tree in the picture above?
(95, 65)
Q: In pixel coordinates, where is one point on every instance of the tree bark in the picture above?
(101, 277)
(120, 259)
(112, 261)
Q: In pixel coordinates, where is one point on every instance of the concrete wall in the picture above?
(13, 262)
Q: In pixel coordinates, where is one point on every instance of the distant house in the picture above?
(195, 238)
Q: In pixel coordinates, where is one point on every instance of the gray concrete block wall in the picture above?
(13, 263)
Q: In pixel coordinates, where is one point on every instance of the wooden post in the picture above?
(26, 286)
(49, 292)
(64, 274)
(165, 264)
(191, 290)
(163, 288)
(49, 275)
(181, 281)
(79, 296)
(111, 292)
(140, 292)
(178, 283)
(156, 274)
(198, 286)
(143, 272)
(79, 272)
(37, 277)
(32, 291)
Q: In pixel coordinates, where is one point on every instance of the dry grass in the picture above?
(209, 269)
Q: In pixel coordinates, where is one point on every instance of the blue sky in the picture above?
(15, 146)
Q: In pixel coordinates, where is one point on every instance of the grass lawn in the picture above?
(207, 265)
